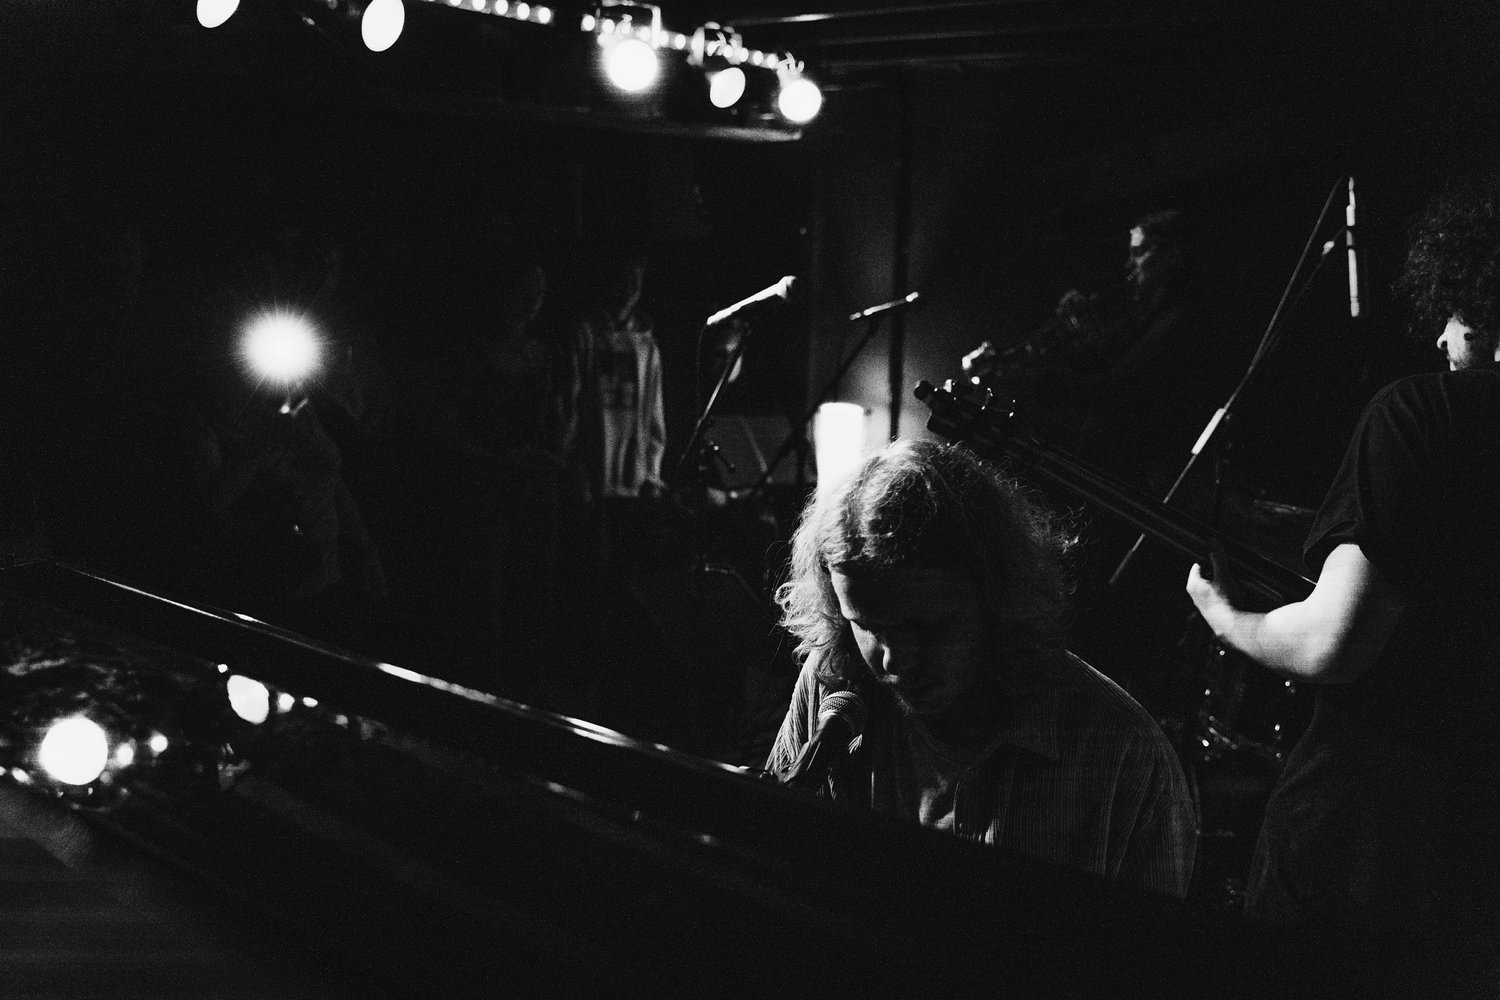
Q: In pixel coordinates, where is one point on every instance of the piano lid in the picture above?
(425, 834)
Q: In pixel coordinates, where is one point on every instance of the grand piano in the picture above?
(363, 829)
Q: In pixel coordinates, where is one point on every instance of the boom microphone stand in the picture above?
(1294, 292)
(797, 439)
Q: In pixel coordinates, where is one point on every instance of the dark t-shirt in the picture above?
(1387, 810)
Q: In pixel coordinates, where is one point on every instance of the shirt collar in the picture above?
(1033, 724)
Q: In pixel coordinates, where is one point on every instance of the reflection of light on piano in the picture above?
(250, 699)
(74, 751)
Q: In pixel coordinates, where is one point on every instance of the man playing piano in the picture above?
(934, 589)
(1386, 819)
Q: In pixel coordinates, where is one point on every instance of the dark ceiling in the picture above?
(1186, 54)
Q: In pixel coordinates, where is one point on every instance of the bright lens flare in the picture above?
(800, 100)
(382, 24)
(74, 751)
(250, 699)
(726, 87)
(281, 348)
(212, 13)
(631, 65)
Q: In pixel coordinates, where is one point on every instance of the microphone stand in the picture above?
(1268, 343)
(698, 438)
(797, 439)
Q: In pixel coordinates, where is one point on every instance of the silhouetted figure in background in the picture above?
(1128, 386)
(1137, 378)
(277, 532)
(615, 432)
(486, 495)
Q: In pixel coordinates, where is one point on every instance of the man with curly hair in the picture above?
(1386, 819)
(934, 588)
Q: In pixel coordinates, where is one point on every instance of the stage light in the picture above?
(726, 86)
(799, 99)
(74, 751)
(630, 64)
(381, 24)
(212, 13)
(281, 347)
(718, 52)
(629, 34)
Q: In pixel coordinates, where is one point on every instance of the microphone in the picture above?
(909, 299)
(781, 290)
(841, 717)
(1353, 258)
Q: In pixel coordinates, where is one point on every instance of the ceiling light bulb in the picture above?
(631, 65)
(800, 100)
(382, 23)
(726, 86)
(212, 13)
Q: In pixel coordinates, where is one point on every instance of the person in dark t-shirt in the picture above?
(1383, 826)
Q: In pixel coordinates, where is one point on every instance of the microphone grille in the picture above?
(847, 707)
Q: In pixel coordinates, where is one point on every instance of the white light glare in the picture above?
(74, 751)
(726, 87)
(157, 743)
(250, 699)
(281, 347)
(839, 435)
(382, 23)
(125, 754)
(544, 15)
(799, 100)
(212, 13)
(631, 65)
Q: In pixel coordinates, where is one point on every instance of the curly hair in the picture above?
(935, 506)
(1453, 265)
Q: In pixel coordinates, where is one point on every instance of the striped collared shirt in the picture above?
(1078, 774)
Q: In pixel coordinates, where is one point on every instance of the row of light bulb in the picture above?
(629, 49)
(631, 64)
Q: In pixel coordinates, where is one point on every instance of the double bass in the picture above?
(1231, 718)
